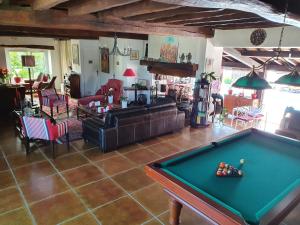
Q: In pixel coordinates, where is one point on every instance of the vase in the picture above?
(110, 99)
(124, 104)
(17, 80)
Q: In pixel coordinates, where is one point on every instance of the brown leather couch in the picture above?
(290, 124)
(134, 124)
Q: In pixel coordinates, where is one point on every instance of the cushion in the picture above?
(47, 92)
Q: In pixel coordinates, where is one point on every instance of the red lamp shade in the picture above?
(129, 73)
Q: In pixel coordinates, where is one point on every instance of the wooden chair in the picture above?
(49, 98)
(43, 129)
(51, 83)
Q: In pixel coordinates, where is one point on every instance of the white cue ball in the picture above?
(242, 161)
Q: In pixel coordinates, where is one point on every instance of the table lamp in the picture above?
(29, 61)
(129, 72)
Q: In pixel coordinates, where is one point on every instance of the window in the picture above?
(14, 62)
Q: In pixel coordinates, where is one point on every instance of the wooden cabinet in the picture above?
(232, 101)
(72, 87)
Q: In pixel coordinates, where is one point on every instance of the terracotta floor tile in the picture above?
(10, 199)
(96, 155)
(151, 141)
(187, 217)
(23, 159)
(184, 144)
(3, 164)
(57, 209)
(6, 179)
(83, 175)
(69, 161)
(12, 145)
(33, 171)
(16, 217)
(85, 219)
(142, 156)
(164, 149)
(153, 198)
(133, 180)
(82, 146)
(115, 165)
(129, 148)
(60, 150)
(168, 136)
(153, 222)
(43, 187)
(100, 192)
(128, 211)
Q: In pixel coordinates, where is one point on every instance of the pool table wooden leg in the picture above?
(175, 209)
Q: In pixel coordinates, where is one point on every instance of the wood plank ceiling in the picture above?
(137, 18)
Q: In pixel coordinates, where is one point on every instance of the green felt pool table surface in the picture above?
(271, 171)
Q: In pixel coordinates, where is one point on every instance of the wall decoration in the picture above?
(134, 55)
(105, 60)
(75, 54)
(258, 37)
(169, 50)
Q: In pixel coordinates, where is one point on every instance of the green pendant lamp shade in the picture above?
(291, 79)
(251, 81)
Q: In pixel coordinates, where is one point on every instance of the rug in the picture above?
(75, 130)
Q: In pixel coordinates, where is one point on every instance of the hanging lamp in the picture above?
(252, 81)
(291, 79)
(255, 82)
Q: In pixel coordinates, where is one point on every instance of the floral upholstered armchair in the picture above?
(49, 98)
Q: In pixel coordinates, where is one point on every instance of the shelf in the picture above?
(171, 69)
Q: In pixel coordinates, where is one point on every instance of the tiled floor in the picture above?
(85, 187)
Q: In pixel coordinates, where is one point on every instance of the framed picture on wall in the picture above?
(75, 54)
(105, 60)
(134, 55)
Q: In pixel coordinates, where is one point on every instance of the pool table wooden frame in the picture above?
(181, 193)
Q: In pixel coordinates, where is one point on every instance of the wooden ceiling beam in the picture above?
(241, 21)
(64, 33)
(91, 6)
(169, 12)
(265, 10)
(215, 18)
(191, 16)
(46, 4)
(58, 19)
(286, 54)
(138, 8)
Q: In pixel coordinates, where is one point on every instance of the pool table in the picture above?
(268, 190)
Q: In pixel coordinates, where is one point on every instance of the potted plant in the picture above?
(110, 95)
(123, 100)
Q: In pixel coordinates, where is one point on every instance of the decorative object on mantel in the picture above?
(182, 58)
(258, 37)
(3, 75)
(201, 100)
(29, 61)
(172, 69)
(104, 60)
(189, 58)
(134, 55)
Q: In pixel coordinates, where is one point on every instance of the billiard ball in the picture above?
(242, 161)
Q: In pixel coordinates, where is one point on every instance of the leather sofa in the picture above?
(134, 124)
(290, 124)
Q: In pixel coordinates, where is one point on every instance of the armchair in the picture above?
(43, 129)
(116, 84)
(49, 98)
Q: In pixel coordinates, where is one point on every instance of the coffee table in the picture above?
(86, 111)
